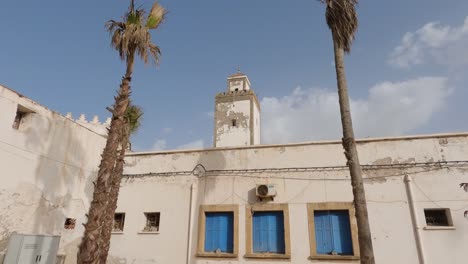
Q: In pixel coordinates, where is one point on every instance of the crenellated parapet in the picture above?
(94, 124)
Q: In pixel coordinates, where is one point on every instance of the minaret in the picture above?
(237, 114)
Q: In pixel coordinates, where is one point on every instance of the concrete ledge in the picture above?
(267, 256)
(148, 232)
(333, 257)
(439, 228)
(216, 255)
(324, 142)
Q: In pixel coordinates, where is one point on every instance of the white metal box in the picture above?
(32, 249)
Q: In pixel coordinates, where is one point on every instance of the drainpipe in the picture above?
(193, 191)
(414, 220)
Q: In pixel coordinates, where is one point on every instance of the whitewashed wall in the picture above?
(228, 135)
(163, 182)
(48, 166)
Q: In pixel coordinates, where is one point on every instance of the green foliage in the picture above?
(132, 35)
(133, 117)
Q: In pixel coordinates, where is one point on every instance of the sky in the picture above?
(406, 71)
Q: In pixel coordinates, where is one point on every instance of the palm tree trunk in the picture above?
(89, 250)
(106, 231)
(349, 145)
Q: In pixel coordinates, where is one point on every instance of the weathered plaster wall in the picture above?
(164, 181)
(256, 124)
(48, 166)
(225, 133)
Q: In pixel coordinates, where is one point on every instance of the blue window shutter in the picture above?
(268, 232)
(333, 232)
(260, 232)
(323, 232)
(342, 242)
(219, 227)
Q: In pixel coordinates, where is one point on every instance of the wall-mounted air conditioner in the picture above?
(266, 190)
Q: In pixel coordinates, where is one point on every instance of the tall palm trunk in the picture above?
(89, 250)
(349, 144)
(106, 231)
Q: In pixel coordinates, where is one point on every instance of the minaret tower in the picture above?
(237, 114)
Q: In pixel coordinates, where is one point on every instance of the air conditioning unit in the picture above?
(265, 190)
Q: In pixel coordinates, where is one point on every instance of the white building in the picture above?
(48, 164)
(214, 205)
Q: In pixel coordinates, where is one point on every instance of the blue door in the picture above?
(333, 232)
(268, 232)
(219, 227)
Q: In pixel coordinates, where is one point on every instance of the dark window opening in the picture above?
(19, 116)
(437, 217)
(119, 222)
(70, 223)
(152, 222)
(21, 113)
(234, 122)
(237, 89)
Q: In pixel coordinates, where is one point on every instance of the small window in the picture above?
(237, 89)
(119, 222)
(333, 232)
(219, 232)
(21, 113)
(19, 116)
(234, 122)
(152, 222)
(268, 232)
(438, 217)
(69, 223)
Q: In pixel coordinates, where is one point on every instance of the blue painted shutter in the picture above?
(219, 227)
(268, 232)
(342, 242)
(333, 232)
(323, 232)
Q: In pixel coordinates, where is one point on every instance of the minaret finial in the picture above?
(238, 69)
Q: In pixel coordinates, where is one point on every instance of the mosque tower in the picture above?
(237, 114)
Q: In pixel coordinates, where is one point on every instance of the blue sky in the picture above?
(57, 53)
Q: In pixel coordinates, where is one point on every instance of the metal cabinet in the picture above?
(32, 249)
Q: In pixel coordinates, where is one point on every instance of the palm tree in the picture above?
(132, 123)
(343, 22)
(129, 37)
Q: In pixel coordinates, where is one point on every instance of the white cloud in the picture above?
(197, 144)
(167, 130)
(443, 44)
(159, 144)
(391, 108)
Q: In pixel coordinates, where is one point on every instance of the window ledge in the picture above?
(216, 255)
(117, 232)
(148, 232)
(439, 228)
(334, 257)
(267, 256)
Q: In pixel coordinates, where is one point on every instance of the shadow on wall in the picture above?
(60, 177)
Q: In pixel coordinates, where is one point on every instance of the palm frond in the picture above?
(133, 117)
(156, 16)
(342, 20)
(133, 34)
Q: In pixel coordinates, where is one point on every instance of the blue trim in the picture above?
(219, 229)
(268, 232)
(333, 232)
